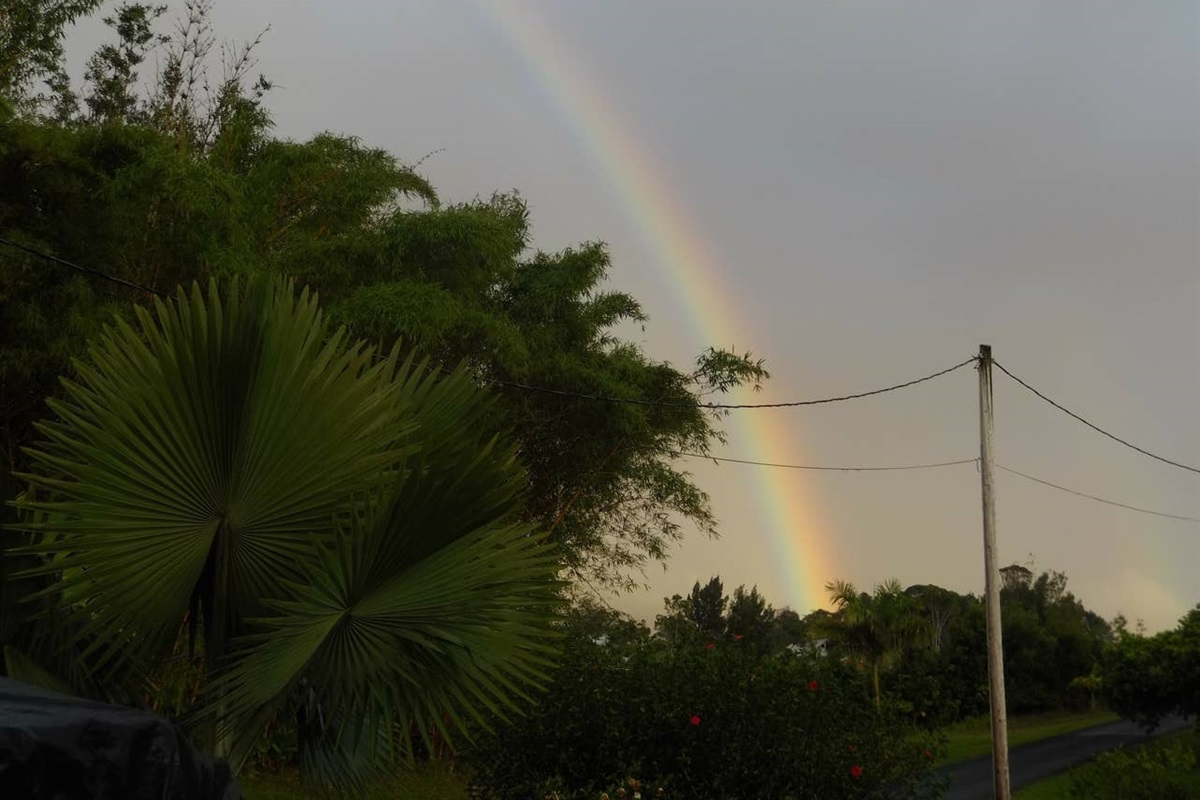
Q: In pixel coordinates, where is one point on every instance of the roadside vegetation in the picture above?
(1164, 769)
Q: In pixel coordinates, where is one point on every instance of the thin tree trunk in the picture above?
(581, 489)
(875, 681)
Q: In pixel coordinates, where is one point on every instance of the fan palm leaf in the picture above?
(345, 530)
(426, 613)
(195, 455)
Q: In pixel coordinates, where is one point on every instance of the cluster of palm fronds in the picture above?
(333, 530)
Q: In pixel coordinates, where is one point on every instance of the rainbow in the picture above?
(643, 188)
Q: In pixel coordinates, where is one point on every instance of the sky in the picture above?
(860, 193)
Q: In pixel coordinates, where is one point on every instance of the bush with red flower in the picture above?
(699, 721)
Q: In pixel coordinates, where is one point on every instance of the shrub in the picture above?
(1146, 679)
(702, 718)
(1166, 771)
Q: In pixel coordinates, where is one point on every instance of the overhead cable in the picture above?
(1096, 428)
(936, 465)
(830, 469)
(1098, 499)
(728, 406)
(78, 267)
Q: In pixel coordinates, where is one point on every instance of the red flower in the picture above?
(855, 771)
(812, 686)
(928, 754)
(708, 646)
(695, 720)
(737, 636)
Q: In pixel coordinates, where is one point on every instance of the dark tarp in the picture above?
(57, 747)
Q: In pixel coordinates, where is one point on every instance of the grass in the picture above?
(1054, 788)
(973, 737)
(1059, 786)
(429, 782)
(269, 786)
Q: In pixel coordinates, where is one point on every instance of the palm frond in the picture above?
(432, 610)
(344, 529)
(196, 454)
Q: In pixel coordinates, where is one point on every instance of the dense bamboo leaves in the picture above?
(603, 475)
(31, 36)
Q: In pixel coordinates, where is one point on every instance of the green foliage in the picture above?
(1147, 678)
(1160, 771)
(705, 608)
(787, 630)
(700, 719)
(112, 70)
(925, 646)
(872, 627)
(941, 674)
(1050, 639)
(707, 614)
(751, 619)
(186, 183)
(342, 530)
(602, 476)
(128, 200)
(31, 52)
(170, 189)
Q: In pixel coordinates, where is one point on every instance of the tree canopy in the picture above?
(873, 626)
(187, 181)
(1147, 678)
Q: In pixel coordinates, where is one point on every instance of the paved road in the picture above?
(972, 780)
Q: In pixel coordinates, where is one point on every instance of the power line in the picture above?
(1096, 428)
(79, 268)
(935, 466)
(831, 469)
(1098, 499)
(18, 260)
(662, 404)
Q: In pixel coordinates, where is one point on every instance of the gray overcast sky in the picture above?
(883, 185)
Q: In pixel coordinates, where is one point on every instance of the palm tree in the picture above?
(336, 529)
(873, 626)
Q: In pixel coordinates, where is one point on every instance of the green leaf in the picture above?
(431, 609)
(347, 531)
(197, 454)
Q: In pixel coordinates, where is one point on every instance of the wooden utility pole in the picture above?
(992, 580)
